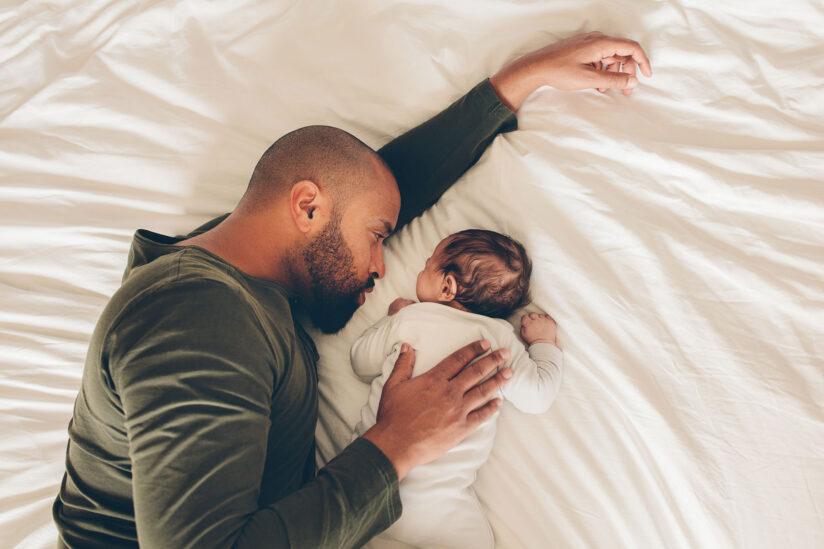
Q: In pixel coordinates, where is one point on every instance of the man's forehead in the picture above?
(374, 210)
(384, 224)
(377, 202)
(384, 176)
(383, 197)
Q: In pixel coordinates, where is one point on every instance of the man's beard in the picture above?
(335, 285)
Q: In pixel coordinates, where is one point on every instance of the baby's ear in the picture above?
(449, 287)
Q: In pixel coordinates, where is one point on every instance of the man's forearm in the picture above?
(354, 498)
(427, 159)
(197, 397)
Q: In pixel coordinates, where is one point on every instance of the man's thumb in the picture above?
(403, 366)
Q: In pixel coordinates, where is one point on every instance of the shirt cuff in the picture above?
(372, 477)
(486, 95)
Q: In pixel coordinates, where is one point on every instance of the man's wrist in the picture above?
(394, 451)
(515, 82)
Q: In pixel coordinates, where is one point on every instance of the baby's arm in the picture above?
(370, 350)
(537, 373)
(373, 346)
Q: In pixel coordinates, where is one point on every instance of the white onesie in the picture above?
(440, 508)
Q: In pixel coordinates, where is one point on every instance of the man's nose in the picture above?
(377, 269)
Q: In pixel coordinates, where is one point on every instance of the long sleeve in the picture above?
(371, 349)
(196, 393)
(536, 376)
(429, 158)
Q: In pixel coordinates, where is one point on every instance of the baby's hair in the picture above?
(492, 271)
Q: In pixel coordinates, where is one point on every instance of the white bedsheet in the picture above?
(677, 235)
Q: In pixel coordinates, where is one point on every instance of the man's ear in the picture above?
(309, 207)
(449, 287)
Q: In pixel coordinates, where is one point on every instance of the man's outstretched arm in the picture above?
(427, 159)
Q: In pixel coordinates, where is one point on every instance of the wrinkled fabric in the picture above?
(677, 235)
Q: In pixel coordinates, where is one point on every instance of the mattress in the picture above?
(677, 235)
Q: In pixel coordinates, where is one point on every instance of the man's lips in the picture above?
(362, 295)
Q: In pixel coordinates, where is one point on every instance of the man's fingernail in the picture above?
(632, 82)
(485, 345)
(504, 353)
(507, 373)
(404, 348)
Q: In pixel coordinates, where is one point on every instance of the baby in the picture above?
(472, 281)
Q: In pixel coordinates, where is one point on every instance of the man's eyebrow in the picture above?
(387, 227)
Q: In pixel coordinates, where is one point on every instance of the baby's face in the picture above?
(430, 279)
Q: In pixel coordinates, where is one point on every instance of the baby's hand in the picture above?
(399, 304)
(538, 328)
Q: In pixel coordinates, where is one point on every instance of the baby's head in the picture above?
(481, 271)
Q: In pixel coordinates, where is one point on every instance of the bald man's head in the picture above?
(331, 201)
(339, 163)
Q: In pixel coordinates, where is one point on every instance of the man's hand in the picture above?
(591, 60)
(399, 304)
(419, 419)
(538, 328)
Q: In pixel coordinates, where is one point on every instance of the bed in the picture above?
(677, 235)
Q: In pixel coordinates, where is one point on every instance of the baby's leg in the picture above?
(443, 520)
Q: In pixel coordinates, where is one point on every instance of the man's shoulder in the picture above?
(187, 284)
(179, 306)
(193, 269)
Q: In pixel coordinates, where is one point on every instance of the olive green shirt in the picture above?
(194, 425)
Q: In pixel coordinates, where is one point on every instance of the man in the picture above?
(194, 425)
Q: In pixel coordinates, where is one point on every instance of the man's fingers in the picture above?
(476, 418)
(614, 65)
(628, 68)
(478, 370)
(611, 79)
(482, 393)
(609, 47)
(403, 366)
(454, 363)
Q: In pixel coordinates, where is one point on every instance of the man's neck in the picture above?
(247, 245)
